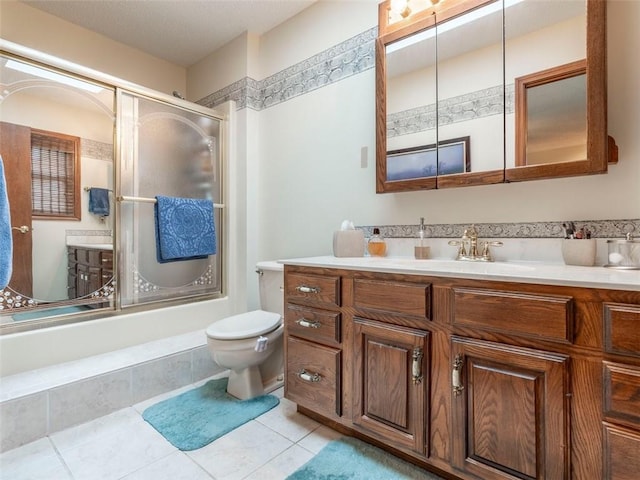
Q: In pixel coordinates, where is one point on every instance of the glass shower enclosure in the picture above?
(170, 150)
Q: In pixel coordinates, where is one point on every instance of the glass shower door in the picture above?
(171, 151)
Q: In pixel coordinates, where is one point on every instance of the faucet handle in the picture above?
(462, 251)
(486, 254)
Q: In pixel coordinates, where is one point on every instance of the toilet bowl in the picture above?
(250, 344)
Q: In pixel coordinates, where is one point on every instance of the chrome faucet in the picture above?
(469, 247)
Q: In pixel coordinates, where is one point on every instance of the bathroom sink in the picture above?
(446, 265)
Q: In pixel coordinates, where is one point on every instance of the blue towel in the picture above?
(185, 229)
(6, 240)
(99, 201)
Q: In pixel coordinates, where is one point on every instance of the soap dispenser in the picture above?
(376, 246)
(421, 251)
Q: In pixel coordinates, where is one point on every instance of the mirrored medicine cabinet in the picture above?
(63, 133)
(477, 92)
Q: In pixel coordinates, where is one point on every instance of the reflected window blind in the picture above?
(54, 192)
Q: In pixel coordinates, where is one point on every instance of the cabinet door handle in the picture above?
(303, 322)
(416, 368)
(309, 377)
(456, 378)
(307, 289)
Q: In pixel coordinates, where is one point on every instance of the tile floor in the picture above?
(122, 446)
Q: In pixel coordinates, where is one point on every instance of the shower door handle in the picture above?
(22, 229)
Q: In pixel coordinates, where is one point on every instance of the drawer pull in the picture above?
(307, 289)
(303, 322)
(309, 377)
(456, 379)
(417, 366)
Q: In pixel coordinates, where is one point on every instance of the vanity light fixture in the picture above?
(51, 75)
(400, 7)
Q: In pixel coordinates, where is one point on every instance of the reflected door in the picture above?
(15, 142)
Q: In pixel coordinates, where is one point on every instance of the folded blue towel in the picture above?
(185, 229)
(99, 201)
(6, 240)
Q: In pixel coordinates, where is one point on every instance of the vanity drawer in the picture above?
(313, 376)
(549, 317)
(317, 289)
(622, 393)
(622, 329)
(402, 298)
(106, 260)
(315, 325)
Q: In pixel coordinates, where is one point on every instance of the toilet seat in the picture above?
(244, 325)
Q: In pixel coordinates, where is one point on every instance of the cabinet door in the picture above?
(390, 383)
(510, 412)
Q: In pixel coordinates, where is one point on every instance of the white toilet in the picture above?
(250, 344)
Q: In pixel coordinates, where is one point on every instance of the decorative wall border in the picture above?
(599, 229)
(348, 58)
(470, 106)
(98, 150)
(88, 233)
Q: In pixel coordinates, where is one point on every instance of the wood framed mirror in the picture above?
(455, 44)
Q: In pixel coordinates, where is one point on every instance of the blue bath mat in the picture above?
(196, 418)
(352, 459)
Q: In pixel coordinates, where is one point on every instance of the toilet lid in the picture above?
(244, 325)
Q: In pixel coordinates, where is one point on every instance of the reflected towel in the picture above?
(99, 201)
(6, 241)
(185, 229)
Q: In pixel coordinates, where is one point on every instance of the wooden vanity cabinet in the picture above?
(476, 379)
(391, 383)
(88, 269)
(510, 404)
(391, 353)
(313, 343)
(621, 402)
(510, 411)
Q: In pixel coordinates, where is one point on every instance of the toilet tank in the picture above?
(271, 285)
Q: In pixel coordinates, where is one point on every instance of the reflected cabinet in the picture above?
(476, 92)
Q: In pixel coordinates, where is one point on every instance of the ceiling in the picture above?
(180, 31)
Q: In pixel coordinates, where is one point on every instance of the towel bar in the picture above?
(124, 198)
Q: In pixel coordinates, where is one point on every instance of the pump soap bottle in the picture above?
(376, 246)
(421, 251)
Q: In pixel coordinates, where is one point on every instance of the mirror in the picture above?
(471, 91)
(56, 141)
(483, 51)
(411, 130)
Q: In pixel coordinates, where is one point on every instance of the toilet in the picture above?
(250, 344)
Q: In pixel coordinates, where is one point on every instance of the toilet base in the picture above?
(246, 383)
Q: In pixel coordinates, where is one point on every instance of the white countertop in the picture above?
(99, 246)
(523, 272)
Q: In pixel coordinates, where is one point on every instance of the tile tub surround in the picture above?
(40, 402)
